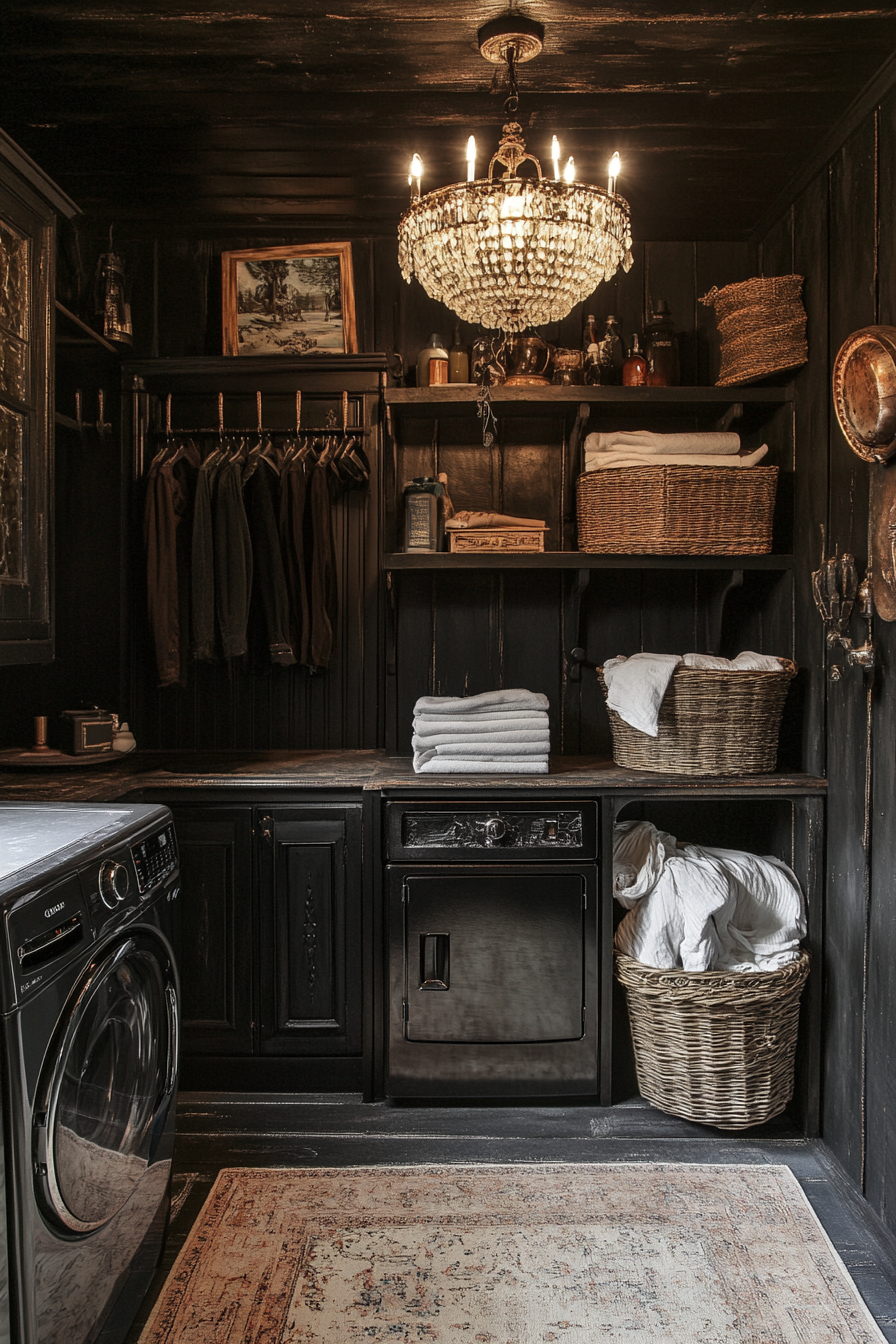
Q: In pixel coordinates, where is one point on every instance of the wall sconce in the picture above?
(836, 588)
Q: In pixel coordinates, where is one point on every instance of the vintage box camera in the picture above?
(86, 731)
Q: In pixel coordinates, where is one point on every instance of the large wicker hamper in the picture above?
(717, 1047)
(711, 722)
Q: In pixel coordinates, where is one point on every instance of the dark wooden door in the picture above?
(215, 949)
(309, 924)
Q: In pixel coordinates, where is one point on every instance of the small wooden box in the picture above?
(486, 540)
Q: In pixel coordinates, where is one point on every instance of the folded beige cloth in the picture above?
(645, 441)
(466, 518)
(602, 461)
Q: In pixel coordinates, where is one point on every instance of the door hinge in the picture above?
(404, 1010)
(405, 894)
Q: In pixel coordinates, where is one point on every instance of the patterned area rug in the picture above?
(631, 1252)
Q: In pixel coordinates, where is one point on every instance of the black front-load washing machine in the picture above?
(89, 1044)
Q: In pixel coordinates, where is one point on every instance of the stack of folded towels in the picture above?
(498, 732)
(643, 448)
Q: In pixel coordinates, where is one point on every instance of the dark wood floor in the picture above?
(241, 1130)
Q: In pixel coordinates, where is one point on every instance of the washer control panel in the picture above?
(154, 858)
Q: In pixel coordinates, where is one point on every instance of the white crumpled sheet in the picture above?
(695, 908)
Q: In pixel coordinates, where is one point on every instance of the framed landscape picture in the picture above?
(293, 300)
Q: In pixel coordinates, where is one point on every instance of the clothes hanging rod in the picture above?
(352, 431)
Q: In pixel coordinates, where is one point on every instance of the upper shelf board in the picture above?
(461, 398)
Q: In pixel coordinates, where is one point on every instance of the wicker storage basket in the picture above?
(761, 325)
(676, 510)
(711, 722)
(715, 1046)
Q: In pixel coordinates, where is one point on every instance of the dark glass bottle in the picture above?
(661, 348)
(611, 353)
(634, 370)
(591, 348)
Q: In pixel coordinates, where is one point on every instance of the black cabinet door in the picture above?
(215, 946)
(309, 923)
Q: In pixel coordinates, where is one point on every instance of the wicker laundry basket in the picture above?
(711, 722)
(715, 1046)
(676, 510)
(762, 327)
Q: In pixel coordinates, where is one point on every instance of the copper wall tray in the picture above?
(864, 384)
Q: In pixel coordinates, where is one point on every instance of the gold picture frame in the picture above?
(283, 300)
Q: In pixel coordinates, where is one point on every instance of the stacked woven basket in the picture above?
(762, 327)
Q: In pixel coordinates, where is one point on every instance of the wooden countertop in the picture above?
(369, 771)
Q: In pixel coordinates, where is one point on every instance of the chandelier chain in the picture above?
(512, 101)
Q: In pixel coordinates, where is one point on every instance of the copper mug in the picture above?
(569, 368)
(527, 361)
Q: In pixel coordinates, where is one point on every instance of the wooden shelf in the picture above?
(581, 560)
(461, 399)
(93, 336)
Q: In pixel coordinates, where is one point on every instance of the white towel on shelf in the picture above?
(481, 726)
(646, 441)
(491, 743)
(699, 908)
(516, 700)
(447, 765)
(490, 751)
(636, 686)
(607, 461)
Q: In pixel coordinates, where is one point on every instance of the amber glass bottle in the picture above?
(634, 370)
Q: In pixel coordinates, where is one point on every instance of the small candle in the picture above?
(471, 159)
(416, 172)
(555, 155)
(615, 166)
(569, 172)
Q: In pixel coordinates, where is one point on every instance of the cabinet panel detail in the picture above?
(309, 919)
(215, 953)
(307, 969)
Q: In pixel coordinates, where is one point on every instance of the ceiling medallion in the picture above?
(519, 249)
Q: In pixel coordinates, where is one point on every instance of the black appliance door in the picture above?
(107, 1084)
(494, 956)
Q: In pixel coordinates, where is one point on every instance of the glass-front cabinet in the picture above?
(29, 204)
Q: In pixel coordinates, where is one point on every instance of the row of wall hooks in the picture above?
(340, 449)
(331, 426)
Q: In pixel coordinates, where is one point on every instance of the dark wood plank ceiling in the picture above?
(302, 115)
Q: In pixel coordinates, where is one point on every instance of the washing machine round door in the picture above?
(107, 1084)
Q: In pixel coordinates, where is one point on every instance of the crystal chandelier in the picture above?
(514, 251)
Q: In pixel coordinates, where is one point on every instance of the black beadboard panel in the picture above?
(881, 1020)
(852, 305)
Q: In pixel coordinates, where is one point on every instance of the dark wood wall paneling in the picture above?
(831, 236)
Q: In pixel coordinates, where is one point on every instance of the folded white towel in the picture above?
(646, 441)
(607, 461)
(487, 750)
(447, 765)
(473, 704)
(636, 686)
(744, 662)
(518, 732)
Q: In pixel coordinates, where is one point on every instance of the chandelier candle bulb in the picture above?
(615, 168)
(416, 173)
(471, 159)
(555, 155)
(569, 172)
